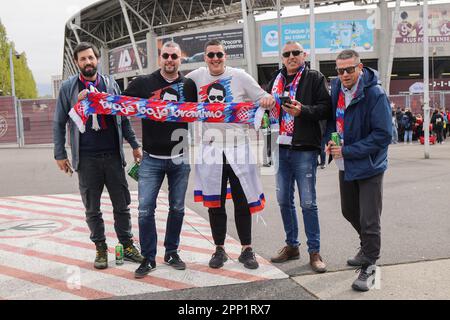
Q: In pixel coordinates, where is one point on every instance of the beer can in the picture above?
(336, 138)
(265, 121)
(119, 254)
(133, 171)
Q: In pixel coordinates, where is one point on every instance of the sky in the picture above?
(37, 28)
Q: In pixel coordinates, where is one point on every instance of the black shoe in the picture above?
(218, 258)
(248, 258)
(144, 269)
(174, 260)
(356, 261)
(131, 253)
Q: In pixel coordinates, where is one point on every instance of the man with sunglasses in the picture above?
(225, 154)
(165, 154)
(299, 140)
(365, 135)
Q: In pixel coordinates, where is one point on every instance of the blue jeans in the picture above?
(151, 176)
(408, 136)
(298, 167)
(394, 134)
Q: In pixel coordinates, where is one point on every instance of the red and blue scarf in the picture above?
(287, 121)
(93, 87)
(340, 110)
(158, 110)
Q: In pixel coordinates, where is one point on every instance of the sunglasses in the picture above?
(217, 54)
(214, 98)
(166, 56)
(295, 53)
(349, 70)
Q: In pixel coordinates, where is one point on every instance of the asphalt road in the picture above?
(415, 219)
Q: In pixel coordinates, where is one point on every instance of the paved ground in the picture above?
(45, 251)
(415, 228)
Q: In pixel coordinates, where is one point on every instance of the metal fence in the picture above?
(414, 102)
(8, 122)
(35, 122)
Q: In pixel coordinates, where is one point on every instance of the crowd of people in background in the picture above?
(408, 127)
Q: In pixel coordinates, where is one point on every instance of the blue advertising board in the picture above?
(331, 36)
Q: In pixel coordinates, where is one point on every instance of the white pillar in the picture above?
(426, 82)
(312, 34)
(387, 77)
(280, 34)
(247, 49)
(130, 32)
(152, 51)
(104, 53)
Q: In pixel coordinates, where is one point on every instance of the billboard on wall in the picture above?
(410, 26)
(192, 45)
(123, 59)
(331, 36)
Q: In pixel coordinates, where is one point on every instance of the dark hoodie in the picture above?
(313, 94)
(367, 127)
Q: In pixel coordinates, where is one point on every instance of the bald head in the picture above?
(293, 56)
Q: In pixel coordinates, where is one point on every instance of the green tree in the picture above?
(5, 83)
(25, 84)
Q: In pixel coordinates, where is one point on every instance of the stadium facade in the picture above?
(125, 29)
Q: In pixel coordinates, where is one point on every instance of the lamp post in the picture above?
(17, 112)
(426, 82)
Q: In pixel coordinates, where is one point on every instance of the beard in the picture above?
(88, 73)
(170, 69)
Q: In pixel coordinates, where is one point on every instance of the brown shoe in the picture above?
(285, 254)
(315, 260)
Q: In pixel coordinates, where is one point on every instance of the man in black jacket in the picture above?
(299, 145)
(165, 153)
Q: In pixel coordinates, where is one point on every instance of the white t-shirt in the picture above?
(234, 85)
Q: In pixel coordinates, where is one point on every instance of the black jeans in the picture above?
(361, 203)
(242, 216)
(95, 172)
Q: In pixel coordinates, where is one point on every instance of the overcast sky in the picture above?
(37, 27)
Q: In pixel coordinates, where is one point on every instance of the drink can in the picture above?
(133, 171)
(119, 254)
(265, 121)
(336, 138)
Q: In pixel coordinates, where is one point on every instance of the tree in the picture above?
(5, 82)
(24, 81)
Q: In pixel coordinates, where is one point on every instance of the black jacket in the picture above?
(315, 98)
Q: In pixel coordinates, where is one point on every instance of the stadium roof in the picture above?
(104, 22)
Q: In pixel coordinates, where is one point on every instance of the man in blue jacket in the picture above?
(362, 118)
(97, 154)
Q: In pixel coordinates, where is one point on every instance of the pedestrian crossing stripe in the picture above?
(46, 253)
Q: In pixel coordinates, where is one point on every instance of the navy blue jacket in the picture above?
(367, 128)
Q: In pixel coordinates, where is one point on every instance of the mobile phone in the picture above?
(284, 100)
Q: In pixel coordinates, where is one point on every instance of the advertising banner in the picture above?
(410, 26)
(331, 36)
(192, 45)
(123, 59)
